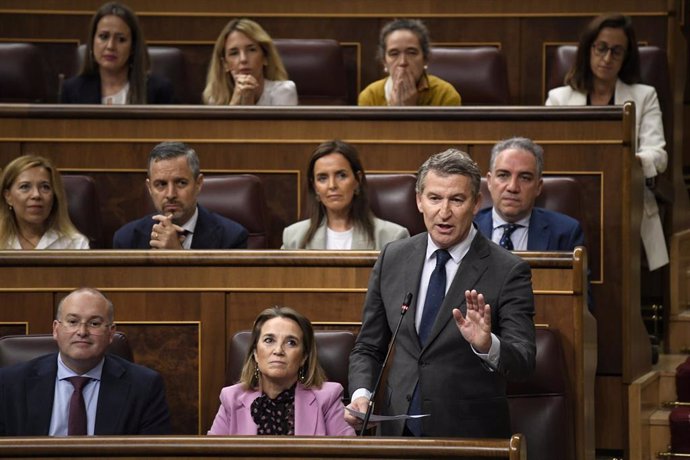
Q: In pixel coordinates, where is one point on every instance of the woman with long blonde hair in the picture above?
(34, 214)
(246, 69)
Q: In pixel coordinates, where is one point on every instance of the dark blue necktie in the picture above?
(432, 303)
(434, 295)
(508, 230)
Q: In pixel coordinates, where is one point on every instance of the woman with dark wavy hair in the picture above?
(116, 64)
(340, 213)
(607, 72)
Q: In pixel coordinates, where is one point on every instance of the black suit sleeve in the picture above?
(155, 418)
(372, 342)
(515, 327)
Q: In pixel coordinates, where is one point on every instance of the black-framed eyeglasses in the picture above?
(601, 49)
(95, 326)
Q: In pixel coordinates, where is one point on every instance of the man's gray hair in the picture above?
(450, 162)
(519, 143)
(170, 150)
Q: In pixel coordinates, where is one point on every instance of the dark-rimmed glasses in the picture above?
(601, 49)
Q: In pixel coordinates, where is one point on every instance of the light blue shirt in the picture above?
(63, 392)
(457, 253)
(519, 236)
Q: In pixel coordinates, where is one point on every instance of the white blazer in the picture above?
(384, 233)
(650, 149)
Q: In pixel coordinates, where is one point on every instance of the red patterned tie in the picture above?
(76, 424)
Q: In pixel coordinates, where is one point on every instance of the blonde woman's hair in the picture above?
(219, 83)
(314, 375)
(58, 219)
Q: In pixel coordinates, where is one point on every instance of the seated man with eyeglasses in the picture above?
(82, 390)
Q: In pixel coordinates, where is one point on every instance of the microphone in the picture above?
(403, 309)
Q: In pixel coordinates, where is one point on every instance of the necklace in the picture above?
(30, 244)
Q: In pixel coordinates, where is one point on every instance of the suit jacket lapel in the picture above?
(40, 394)
(471, 269)
(360, 240)
(205, 232)
(112, 399)
(319, 239)
(485, 223)
(539, 232)
(142, 233)
(305, 413)
(245, 423)
(412, 274)
(577, 98)
(623, 94)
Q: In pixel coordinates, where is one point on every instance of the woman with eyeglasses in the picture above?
(607, 72)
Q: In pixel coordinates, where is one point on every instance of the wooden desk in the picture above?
(217, 447)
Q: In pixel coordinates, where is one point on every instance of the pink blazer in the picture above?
(318, 412)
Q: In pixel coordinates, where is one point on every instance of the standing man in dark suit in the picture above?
(515, 182)
(81, 389)
(174, 182)
(470, 324)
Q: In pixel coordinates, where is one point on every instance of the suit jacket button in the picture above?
(409, 398)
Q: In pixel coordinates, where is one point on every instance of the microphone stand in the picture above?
(370, 408)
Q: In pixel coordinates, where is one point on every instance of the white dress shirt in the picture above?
(54, 240)
(279, 92)
(519, 236)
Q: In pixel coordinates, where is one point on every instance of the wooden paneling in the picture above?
(25, 312)
(520, 29)
(678, 326)
(591, 144)
(348, 7)
(181, 307)
(251, 447)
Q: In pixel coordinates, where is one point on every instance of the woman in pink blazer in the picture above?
(282, 388)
